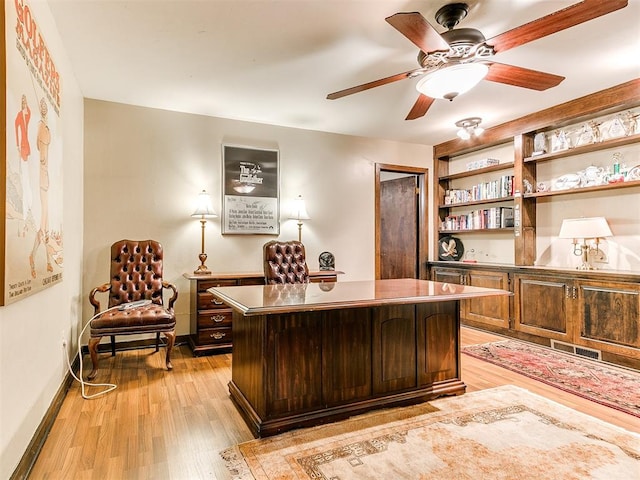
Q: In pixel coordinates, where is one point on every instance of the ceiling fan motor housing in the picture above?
(450, 15)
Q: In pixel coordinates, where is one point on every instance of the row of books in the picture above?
(499, 188)
(496, 217)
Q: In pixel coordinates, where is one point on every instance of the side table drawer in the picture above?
(204, 285)
(207, 301)
(213, 336)
(215, 318)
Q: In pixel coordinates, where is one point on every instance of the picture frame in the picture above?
(250, 190)
(31, 232)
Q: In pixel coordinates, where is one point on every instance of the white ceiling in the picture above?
(275, 61)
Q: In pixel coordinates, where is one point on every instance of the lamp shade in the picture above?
(299, 209)
(204, 208)
(451, 81)
(594, 227)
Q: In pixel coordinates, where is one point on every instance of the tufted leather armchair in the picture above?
(285, 262)
(136, 274)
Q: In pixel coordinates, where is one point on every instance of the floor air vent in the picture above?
(582, 351)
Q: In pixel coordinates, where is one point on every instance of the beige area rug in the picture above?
(502, 433)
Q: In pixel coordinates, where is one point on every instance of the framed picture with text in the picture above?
(250, 191)
(32, 111)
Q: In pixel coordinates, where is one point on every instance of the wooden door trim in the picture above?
(423, 218)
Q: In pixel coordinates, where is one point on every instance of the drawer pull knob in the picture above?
(217, 302)
(218, 335)
(218, 318)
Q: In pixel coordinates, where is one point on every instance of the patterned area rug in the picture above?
(502, 433)
(602, 383)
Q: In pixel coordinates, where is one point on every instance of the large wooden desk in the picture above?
(312, 353)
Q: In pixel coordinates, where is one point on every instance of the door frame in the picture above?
(423, 226)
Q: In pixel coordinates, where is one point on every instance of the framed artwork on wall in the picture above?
(250, 190)
(31, 254)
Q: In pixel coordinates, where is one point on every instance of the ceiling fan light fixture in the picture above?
(450, 81)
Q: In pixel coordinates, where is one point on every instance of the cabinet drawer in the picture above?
(214, 318)
(204, 285)
(207, 301)
(213, 336)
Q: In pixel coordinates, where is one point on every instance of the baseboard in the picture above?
(34, 448)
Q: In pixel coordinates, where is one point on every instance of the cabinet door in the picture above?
(609, 316)
(448, 275)
(294, 363)
(394, 348)
(346, 355)
(438, 353)
(487, 310)
(543, 305)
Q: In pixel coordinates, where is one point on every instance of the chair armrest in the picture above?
(96, 304)
(174, 297)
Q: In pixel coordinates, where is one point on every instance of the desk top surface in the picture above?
(266, 299)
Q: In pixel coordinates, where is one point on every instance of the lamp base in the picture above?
(202, 268)
(584, 252)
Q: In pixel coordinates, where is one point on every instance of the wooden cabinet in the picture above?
(479, 311)
(609, 316)
(592, 312)
(603, 315)
(595, 310)
(543, 306)
(211, 320)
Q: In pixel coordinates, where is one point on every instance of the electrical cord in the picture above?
(110, 386)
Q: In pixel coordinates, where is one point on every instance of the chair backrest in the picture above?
(285, 262)
(136, 272)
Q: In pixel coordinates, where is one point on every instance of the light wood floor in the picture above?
(161, 425)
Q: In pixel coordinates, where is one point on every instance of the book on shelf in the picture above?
(506, 217)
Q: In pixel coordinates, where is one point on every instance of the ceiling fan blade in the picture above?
(375, 83)
(522, 77)
(554, 22)
(420, 107)
(414, 26)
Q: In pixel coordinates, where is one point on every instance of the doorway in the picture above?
(401, 223)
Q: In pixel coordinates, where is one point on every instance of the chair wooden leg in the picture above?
(171, 338)
(113, 345)
(93, 351)
(157, 341)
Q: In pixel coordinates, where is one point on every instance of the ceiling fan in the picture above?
(455, 61)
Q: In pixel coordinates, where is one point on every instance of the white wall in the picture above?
(144, 168)
(32, 363)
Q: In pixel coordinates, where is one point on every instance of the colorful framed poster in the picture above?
(250, 193)
(32, 162)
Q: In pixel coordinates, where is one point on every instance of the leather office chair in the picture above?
(136, 274)
(285, 262)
